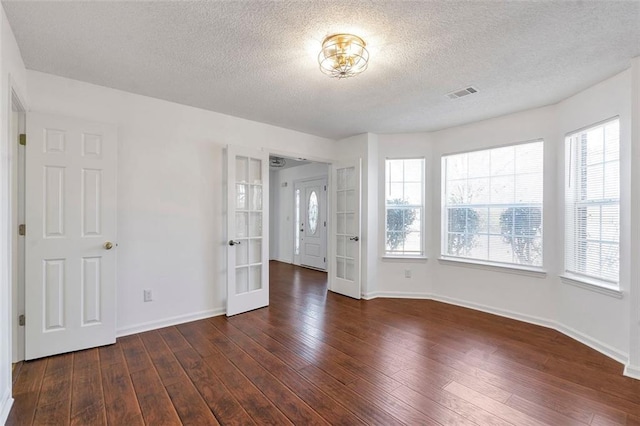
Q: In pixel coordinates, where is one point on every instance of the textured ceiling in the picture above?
(258, 59)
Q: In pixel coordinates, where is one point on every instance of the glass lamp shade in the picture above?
(343, 56)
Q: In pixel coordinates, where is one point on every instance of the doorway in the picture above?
(298, 190)
(310, 233)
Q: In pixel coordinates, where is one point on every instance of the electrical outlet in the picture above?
(148, 296)
(407, 273)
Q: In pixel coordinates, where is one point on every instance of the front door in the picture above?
(313, 222)
(345, 208)
(247, 229)
(70, 259)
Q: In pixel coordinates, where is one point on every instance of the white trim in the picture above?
(495, 267)
(632, 371)
(592, 126)
(592, 285)
(371, 295)
(166, 322)
(5, 405)
(603, 348)
(505, 145)
(397, 295)
(422, 206)
(497, 311)
(404, 258)
(599, 346)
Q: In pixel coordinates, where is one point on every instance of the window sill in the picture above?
(404, 258)
(496, 267)
(592, 285)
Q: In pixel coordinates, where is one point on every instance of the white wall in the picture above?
(602, 318)
(521, 294)
(391, 272)
(282, 209)
(599, 320)
(13, 76)
(170, 201)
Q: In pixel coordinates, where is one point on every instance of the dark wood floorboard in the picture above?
(315, 357)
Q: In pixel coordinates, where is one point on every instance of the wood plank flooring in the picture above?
(314, 357)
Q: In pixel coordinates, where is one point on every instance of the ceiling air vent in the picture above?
(462, 92)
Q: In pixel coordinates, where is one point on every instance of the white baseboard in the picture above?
(599, 346)
(603, 348)
(5, 405)
(166, 322)
(497, 311)
(289, 261)
(396, 295)
(632, 371)
(371, 295)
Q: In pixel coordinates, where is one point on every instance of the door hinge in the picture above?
(325, 259)
(22, 229)
(325, 223)
(325, 187)
(22, 139)
(21, 319)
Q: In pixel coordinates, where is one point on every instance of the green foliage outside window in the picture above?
(399, 221)
(463, 228)
(519, 227)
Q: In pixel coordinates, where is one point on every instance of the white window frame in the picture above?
(571, 275)
(445, 258)
(422, 207)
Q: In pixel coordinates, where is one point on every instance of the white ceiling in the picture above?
(258, 59)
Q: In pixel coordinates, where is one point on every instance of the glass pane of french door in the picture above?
(249, 233)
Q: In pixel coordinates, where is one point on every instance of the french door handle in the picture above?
(234, 243)
(355, 238)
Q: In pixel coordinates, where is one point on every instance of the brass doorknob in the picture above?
(108, 245)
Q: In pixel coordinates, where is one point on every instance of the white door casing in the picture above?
(313, 223)
(247, 229)
(345, 277)
(70, 275)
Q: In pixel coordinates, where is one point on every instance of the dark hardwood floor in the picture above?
(318, 358)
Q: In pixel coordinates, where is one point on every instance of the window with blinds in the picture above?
(404, 207)
(492, 204)
(592, 202)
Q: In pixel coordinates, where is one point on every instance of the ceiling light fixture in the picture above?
(277, 162)
(343, 56)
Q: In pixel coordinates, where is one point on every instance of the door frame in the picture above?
(15, 273)
(330, 162)
(296, 257)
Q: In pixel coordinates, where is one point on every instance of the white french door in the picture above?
(247, 229)
(345, 207)
(312, 231)
(70, 260)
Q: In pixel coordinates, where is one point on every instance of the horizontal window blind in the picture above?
(592, 202)
(492, 204)
(404, 207)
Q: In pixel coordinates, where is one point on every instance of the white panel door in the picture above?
(345, 208)
(70, 218)
(247, 229)
(313, 223)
